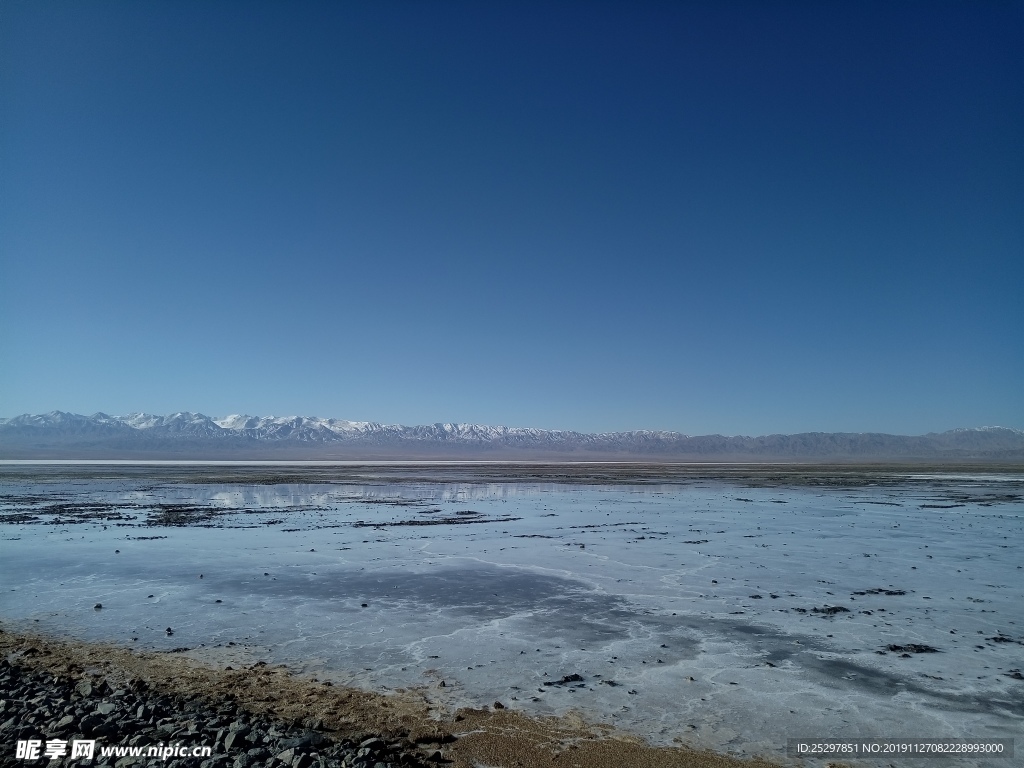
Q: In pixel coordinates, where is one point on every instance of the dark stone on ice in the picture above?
(912, 648)
(573, 678)
(830, 610)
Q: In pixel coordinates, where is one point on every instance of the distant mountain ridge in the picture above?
(194, 435)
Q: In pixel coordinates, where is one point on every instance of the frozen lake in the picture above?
(728, 608)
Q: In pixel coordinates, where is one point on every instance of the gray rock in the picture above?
(310, 738)
(36, 702)
(234, 740)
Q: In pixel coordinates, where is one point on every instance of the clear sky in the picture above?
(743, 217)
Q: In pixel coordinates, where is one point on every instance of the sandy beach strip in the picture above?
(464, 738)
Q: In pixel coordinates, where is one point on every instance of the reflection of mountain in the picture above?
(195, 436)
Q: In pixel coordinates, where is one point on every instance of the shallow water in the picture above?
(687, 606)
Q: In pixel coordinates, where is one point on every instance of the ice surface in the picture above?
(688, 609)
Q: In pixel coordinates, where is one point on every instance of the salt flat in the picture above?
(721, 607)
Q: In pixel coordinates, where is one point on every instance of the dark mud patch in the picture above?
(70, 513)
(461, 518)
(182, 514)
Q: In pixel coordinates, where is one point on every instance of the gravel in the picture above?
(35, 705)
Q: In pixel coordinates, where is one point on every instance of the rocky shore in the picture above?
(51, 713)
(54, 692)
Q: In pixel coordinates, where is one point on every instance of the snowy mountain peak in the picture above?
(141, 420)
(236, 421)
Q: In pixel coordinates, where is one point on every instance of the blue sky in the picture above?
(709, 217)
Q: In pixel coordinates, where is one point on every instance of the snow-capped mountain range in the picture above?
(194, 435)
(296, 429)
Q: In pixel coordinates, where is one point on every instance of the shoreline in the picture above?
(539, 606)
(463, 738)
